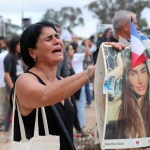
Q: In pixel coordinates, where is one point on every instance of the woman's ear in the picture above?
(125, 27)
(31, 52)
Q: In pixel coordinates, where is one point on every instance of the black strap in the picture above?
(63, 128)
(58, 118)
(39, 79)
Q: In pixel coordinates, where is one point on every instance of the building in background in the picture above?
(26, 22)
(2, 27)
(7, 29)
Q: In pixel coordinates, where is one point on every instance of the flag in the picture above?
(137, 47)
(145, 41)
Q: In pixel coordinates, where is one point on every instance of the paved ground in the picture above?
(90, 123)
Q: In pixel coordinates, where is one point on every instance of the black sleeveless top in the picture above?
(66, 113)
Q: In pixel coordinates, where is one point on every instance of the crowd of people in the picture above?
(61, 72)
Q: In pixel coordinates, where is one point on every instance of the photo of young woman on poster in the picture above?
(129, 116)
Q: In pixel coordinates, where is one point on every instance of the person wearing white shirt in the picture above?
(77, 64)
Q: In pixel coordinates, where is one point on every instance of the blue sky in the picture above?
(12, 9)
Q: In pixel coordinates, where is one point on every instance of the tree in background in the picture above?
(67, 17)
(104, 9)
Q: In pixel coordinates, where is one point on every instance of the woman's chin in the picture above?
(60, 59)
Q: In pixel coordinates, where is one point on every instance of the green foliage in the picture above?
(104, 9)
(68, 17)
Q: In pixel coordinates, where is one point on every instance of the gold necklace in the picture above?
(42, 72)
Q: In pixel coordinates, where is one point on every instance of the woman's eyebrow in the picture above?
(132, 70)
(143, 68)
(50, 36)
(136, 71)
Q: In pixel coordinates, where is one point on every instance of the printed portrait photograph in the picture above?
(128, 102)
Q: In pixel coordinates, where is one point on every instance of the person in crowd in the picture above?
(62, 67)
(3, 95)
(93, 48)
(83, 50)
(131, 111)
(99, 37)
(10, 67)
(105, 38)
(87, 62)
(88, 94)
(70, 53)
(121, 25)
(92, 43)
(41, 51)
(75, 42)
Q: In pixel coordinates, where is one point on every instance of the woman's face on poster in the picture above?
(138, 79)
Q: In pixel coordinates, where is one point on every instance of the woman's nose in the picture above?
(140, 79)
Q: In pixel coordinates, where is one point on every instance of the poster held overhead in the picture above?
(121, 115)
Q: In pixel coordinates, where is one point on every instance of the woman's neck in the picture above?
(48, 72)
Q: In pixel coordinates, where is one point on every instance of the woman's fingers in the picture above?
(118, 46)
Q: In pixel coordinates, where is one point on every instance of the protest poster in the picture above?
(121, 100)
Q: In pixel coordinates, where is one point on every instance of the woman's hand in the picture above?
(118, 46)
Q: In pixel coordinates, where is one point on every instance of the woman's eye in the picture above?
(132, 73)
(48, 39)
(57, 36)
(144, 71)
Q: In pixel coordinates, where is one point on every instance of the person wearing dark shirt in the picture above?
(121, 25)
(62, 67)
(10, 63)
(106, 37)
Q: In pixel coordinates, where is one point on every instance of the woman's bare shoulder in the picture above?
(26, 79)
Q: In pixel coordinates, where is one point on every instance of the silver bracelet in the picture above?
(88, 74)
